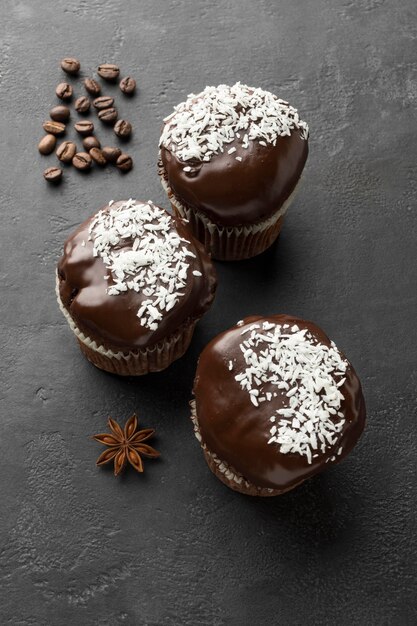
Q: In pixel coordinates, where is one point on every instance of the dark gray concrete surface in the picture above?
(175, 547)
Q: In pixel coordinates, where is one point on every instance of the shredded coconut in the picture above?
(143, 252)
(201, 126)
(307, 373)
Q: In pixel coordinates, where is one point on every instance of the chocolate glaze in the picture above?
(238, 432)
(233, 193)
(112, 320)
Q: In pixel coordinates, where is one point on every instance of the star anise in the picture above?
(126, 445)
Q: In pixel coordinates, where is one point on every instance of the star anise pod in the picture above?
(126, 445)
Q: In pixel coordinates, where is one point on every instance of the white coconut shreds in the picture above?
(308, 373)
(200, 127)
(143, 252)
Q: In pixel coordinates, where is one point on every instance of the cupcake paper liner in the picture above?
(227, 473)
(229, 243)
(136, 362)
(153, 359)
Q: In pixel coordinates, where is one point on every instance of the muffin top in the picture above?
(132, 274)
(277, 400)
(234, 153)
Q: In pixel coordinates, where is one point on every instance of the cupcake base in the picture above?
(154, 359)
(229, 243)
(227, 473)
(137, 362)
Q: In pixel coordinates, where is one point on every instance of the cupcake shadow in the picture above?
(248, 287)
(321, 511)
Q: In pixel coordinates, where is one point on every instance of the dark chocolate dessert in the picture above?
(132, 284)
(275, 403)
(230, 160)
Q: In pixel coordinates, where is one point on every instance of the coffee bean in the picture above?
(128, 85)
(55, 128)
(97, 156)
(108, 71)
(64, 91)
(108, 116)
(124, 163)
(66, 151)
(92, 86)
(53, 174)
(82, 104)
(70, 65)
(91, 142)
(104, 102)
(123, 129)
(84, 128)
(82, 161)
(111, 154)
(60, 113)
(47, 144)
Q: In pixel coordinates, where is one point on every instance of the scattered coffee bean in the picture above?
(98, 156)
(53, 174)
(128, 85)
(82, 161)
(123, 129)
(108, 116)
(108, 71)
(60, 113)
(111, 154)
(91, 142)
(124, 163)
(70, 65)
(54, 128)
(104, 102)
(85, 127)
(82, 104)
(47, 144)
(92, 86)
(64, 91)
(66, 151)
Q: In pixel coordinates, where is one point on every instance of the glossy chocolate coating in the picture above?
(232, 192)
(238, 432)
(112, 320)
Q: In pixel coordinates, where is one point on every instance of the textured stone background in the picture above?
(175, 547)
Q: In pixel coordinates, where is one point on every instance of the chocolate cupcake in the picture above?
(132, 283)
(230, 160)
(275, 403)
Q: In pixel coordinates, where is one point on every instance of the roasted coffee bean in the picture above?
(124, 163)
(60, 113)
(53, 174)
(64, 91)
(108, 116)
(104, 102)
(108, 71)
(70, 65)
(97, 156)
(84, 128)
(91, 142)
(111, 154)
(66, 151)
(92, 86)
(47, 144)
(55, 128)
(82, 161)
(123, 129)
(128, 85)
(82, 104)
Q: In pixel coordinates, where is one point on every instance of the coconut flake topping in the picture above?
(200, 127)
(305, 372)
(142, 250)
